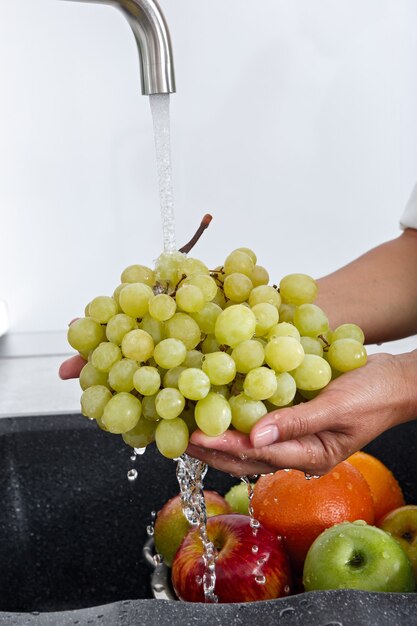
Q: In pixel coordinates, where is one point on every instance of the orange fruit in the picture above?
(299, 510)
(386, 492)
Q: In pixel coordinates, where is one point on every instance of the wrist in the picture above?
(408, 385)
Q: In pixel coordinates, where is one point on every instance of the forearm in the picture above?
(377, 291)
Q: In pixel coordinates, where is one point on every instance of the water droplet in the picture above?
(385, 555)
(133, 457)
(336, 475)
(150, 530)
(140, 451)
(287, 589)
(287, 470)
(307, 476)
(262, 560)
(255, 549)
(158, 559)
(132, 474)
(255, 523)
(289, 609)
(158, 587)
(153, 514)
(261, 580)
(199, 580)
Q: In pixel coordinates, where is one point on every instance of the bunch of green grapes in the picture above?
(181, 347)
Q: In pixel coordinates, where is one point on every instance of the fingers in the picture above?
(294, 422)
(227, 463)
(72, 367)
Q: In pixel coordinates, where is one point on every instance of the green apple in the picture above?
(238, 498)
(401, 523)
(171, 525)
(353, 555)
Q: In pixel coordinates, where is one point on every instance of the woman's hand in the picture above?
(314, 436)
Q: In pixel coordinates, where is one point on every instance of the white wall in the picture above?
(294, 124)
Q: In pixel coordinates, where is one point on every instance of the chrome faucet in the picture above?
(153, 41)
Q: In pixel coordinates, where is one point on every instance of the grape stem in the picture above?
(200, 230)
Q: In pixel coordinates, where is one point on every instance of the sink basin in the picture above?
(72, 529)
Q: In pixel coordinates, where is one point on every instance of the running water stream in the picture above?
(190, 472)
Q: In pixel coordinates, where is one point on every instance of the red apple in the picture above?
(251, 564)
(401, 523)
(171, 525)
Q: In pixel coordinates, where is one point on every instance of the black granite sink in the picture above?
(72, 528)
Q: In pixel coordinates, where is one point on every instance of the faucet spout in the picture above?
(153, 41)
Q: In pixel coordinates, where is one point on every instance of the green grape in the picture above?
(138, 274)
(172, 375)
(308, 395)
(286, 312)
(298, 289)
(182, 326)
(147, 380)
(90, 376)
(210, 344)
(266, 318)
(346, 354)
(213, 414)
(116, 292)
(246, 412)
(219, 367)
(193, 383)
(249, 252)
(169, 403)
(188, 416)
(118, 326)
(247, 355)
(259, 276)
(162, 307)
(223, 390)
(105, 356)
(192, 266)
(313, 373)
(141, 435)
(153, 327)
(93, 401)
(138, 345)
(206, 283)
(102, 309)
(312, 345)
(286, 389)
(171, 437)
(168, 267)
(219, 298)
(194, 358)
(190, 299)
(310, 320)
(235, 324)
(260, 383)
(237, 287)
(240, 262)
(121, 413)
(284, 354)
(169, 353)
(283, 329)
(134, 299)
(264, 293)
(149, 409)
(85, 334)
(121, 375)
(206, 318)
(348, 331)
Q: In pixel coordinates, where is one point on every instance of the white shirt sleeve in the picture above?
(409, 217)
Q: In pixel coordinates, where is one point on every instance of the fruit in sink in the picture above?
(184, 346)
(238, 498)
(357, 556)
(401, 523)
(299, 510)
(171, 525)
(386, 492)
(249, 566)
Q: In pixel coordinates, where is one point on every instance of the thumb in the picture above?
(293, 422)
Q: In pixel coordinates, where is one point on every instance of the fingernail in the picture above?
(266, 436)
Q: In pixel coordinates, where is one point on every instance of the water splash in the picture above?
(190, 475)
(161, 124)
(132, 475)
